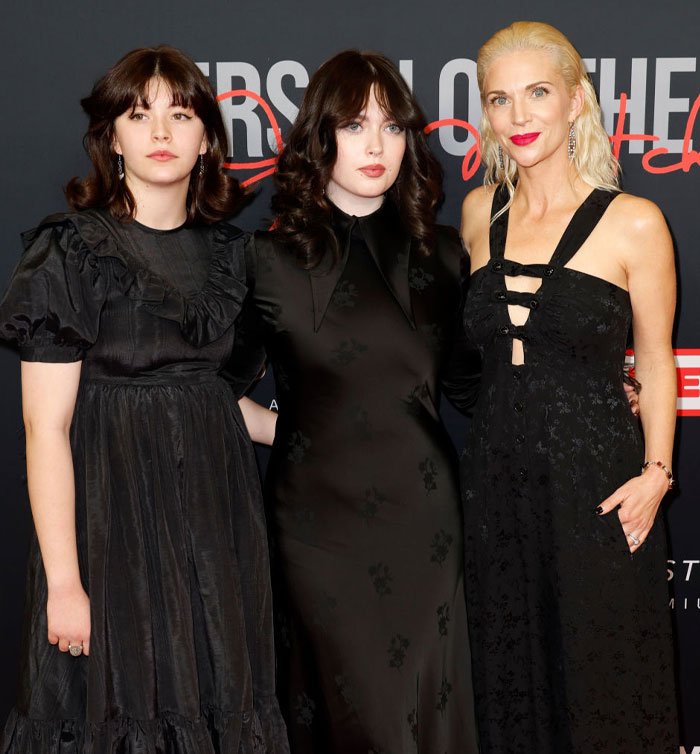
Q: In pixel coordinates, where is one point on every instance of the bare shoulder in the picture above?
(640, 229)
(637, 216)
(478, 202)
(476, 212)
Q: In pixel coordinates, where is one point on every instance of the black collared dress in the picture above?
(362, 488)
(169, 517)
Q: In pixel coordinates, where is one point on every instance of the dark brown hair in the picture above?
(213, 195)
(336, 95)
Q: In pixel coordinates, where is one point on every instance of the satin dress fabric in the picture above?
(571, 634)
(362, 492)
(169, 517)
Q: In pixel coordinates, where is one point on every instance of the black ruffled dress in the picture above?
(171, 532)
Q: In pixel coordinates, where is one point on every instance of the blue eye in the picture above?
(540, 91)
(394, 128)
(499, 99)
(353, 127)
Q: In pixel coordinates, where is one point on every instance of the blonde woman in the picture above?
(564, 547)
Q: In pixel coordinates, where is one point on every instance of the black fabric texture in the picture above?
(170, 524)
(571, 634)
(362, 488)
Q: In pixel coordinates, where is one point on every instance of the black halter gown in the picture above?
(570, 633)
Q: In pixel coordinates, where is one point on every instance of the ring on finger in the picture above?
(75, 649)
(635, 540)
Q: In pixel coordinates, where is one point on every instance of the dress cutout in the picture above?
(170, 525)
(362, 494)
(571, 634)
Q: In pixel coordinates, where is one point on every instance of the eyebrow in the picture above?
(147, 105)
(528, 87)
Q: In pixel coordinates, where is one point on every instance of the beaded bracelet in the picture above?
(664, 468)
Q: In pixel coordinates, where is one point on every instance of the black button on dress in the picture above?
(571, 635)
(362, 483)
(169, 518)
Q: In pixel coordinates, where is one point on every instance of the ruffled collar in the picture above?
(388, 242)
(204, 316)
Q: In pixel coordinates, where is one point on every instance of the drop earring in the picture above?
(571, 148)
(120, 167)
(201, 164)
(500, 157)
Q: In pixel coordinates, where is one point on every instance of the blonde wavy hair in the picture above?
(593, 158)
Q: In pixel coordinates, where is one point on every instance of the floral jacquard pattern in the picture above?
(570, 633)
(362, 492)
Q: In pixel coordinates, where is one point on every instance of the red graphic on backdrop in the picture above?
(270, 164)
(689, 157)
(472, 159)
(688, 376)
(619, 136)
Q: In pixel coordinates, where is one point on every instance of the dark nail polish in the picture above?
(599, 509)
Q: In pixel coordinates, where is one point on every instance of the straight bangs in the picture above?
(126, 85)
(350, 102)
(185, 89)
(391, 98)
(390, 90)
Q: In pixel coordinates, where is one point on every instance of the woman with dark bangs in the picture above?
(148, 621)
(356, 292)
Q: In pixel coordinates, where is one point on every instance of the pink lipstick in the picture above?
(520, 140)
(373, 171)
(162, 155)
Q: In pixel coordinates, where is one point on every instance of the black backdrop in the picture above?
(51, 53)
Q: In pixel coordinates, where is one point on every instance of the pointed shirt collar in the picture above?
(389, 244)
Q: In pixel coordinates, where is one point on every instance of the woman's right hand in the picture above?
(68, 613)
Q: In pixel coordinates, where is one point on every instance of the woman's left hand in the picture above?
(637, 501)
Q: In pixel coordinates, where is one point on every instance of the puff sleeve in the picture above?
(51, 308)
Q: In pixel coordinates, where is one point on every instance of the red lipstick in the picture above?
(520, 140)
(162, 155)
(373, 171)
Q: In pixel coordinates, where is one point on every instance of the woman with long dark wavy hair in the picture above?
(148, 619)
(356, 291)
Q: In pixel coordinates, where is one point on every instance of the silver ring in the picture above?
(635, 540)
(75, 649)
